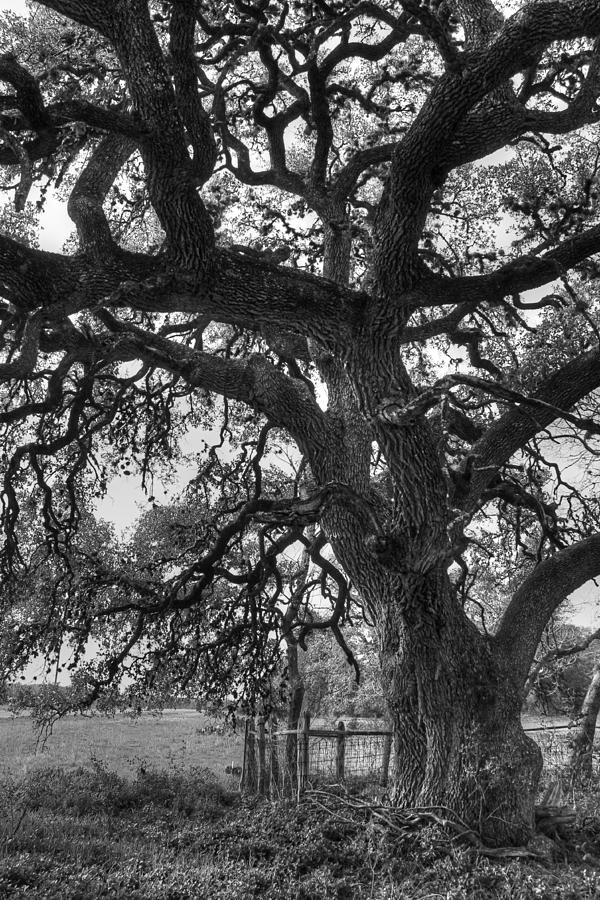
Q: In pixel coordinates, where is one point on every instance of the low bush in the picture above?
(96, 789)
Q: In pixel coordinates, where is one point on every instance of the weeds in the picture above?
(91, 833)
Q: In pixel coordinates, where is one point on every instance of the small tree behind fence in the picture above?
(283, 762)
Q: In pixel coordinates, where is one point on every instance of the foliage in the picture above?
(330, 685)
(561, 687)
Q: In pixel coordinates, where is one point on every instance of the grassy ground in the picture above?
(87, 834)
(142, 809)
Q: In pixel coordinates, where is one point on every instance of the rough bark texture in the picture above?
(456, 709)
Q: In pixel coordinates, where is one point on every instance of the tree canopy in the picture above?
(310, 225)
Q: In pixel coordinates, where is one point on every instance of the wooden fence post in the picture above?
(244, 763)
(385, 762)
(290, 762)
(249, 772)
(303, 753)
(262, 768)
(274, 757)
(340, 752)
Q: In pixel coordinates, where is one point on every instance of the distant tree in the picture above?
(423, 394)
(330, 686)
(560, 675)
(583, 742)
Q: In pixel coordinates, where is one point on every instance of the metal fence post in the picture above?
(303, 753)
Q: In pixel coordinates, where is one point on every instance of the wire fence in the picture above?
(555, 742)
(283, 762)
(349, 756)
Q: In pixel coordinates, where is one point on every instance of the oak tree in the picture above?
(224, 153)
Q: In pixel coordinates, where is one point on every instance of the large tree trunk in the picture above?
(453, 701)
(455, 710)
(458, 740)
(583, 743)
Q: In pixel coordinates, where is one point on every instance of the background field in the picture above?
(177, 739)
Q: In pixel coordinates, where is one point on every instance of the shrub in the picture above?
(96, 789)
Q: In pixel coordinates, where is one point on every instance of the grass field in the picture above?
(177, 739)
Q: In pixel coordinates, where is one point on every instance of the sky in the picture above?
(17, 6)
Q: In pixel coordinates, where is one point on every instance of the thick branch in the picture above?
(171, 178)
(89, 193)
(502, 118)
(582, 109)
(287, 402)
(345, 180)
(372, 52)
(420, 161)
(480, 19)
(522, 274)
(515, 428)
(47, 139)
(241, 289)
(107, 119)
(397, 412)
(93, 13)
(196, 120)
(527, 614)
(29, 100)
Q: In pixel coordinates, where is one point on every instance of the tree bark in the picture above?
(583, 743)
(458, 740)
(453, 703)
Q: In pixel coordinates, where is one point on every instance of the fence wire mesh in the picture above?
(281, 763)
(556, 747)
(363, 755)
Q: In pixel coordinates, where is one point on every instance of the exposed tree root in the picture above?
(406, 821)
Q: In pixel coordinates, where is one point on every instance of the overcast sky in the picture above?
(17, 6)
